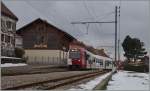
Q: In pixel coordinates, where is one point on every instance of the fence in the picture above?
(46, 60)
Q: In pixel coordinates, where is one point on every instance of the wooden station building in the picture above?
(44, 43)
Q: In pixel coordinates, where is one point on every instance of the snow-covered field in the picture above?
(128, 80)
(91, 84)
(12, 65)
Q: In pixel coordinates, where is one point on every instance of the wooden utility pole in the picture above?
(116, 33)
(119, 36)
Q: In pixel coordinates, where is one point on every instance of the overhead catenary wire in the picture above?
(86, 22)
(106, 15)
(28, 3)
(80, 34)
(87, 26)
(44, 16)
(86, 7)
(100, 18)
(93, 16)
(68, 20)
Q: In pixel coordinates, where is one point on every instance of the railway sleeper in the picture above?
(53, 83)
(56, 84)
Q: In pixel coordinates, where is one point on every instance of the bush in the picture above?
(19, 52)
(139, 68)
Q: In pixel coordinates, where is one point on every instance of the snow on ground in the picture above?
(128, 80)
(11, 64)
(91, 84)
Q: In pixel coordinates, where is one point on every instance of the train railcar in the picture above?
(81, 58)
(77, 58)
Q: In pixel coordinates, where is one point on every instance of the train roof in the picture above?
(98, 56)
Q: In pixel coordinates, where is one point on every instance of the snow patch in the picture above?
(128, 80)
(91, 84)
(12, 65)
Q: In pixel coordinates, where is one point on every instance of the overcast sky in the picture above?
(134, 20)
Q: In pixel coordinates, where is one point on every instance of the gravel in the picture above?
(10, 81)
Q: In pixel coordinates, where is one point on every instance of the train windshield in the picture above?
(74, 54)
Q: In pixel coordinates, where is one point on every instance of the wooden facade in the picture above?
(39, 34)
(45, 43)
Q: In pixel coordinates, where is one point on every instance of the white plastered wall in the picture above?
(51, 57)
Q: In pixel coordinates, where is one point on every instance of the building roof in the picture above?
(5, 11)
(44, 21)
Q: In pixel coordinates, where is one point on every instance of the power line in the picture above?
(42, 14)
(115, 21)
(86, 7)
(92, 22)
(27, 2)
(106, 15)
(78, 29)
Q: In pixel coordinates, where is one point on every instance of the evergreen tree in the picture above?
(133, 48)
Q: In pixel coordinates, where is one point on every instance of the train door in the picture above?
(87, 60)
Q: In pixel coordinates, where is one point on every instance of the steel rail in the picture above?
(56, 82)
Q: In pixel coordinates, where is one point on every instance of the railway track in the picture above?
(54, 83)
(14, 71)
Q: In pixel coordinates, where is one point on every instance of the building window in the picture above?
(13, 26)
(8, 23)
(12, 40)
(2, 23)
(41, 38)
(2, 37)
(7, 39)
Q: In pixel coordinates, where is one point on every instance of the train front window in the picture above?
(74, 54)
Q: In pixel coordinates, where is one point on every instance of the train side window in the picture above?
(107, 63)
(101, 62)
(93, 60)
(97, 60)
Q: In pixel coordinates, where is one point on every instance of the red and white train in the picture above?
(81, 58)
